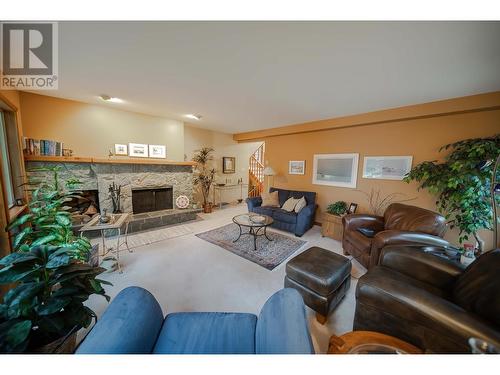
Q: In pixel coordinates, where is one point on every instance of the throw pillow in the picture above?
(290, 204)
(270, 199)
(300, 205)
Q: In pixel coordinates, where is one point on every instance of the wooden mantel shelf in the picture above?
(116, 160)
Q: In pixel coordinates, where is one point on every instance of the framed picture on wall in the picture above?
(335, 170)
(157, 151)
(121, 150)
(386, 167)
(352, 208)
(138, 150)
(296, 167)
(228, 164)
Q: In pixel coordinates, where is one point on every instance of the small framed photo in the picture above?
(158, 151)
(228, 164)
(138, 150)
(296, 167)
(121, 150)
(352, 208)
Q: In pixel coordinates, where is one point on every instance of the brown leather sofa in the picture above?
(431, 302)
(401, 224)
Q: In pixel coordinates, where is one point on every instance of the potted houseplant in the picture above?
(45, 308)
(338, 208)
(462, 184)
(48, 221)
(204, 175)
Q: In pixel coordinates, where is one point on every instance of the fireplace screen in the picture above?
(148, 200)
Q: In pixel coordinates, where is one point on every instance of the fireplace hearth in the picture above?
(152, 199)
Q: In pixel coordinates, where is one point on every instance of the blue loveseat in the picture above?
(134, 324)
(297, 223)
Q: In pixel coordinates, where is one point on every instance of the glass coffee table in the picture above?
(257, 225)
(369, 342)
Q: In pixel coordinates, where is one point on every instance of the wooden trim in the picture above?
(4, 99)
(474, 103)
(11, 213)
(60, 159)
(77, 159)
(15, 211)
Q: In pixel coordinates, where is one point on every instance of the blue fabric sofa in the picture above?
(134, 324)
(288, 221)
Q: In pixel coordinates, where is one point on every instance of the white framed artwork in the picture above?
(138, 150)
(157, 151)
(336, 170)
(296, 167)
(121, 150)
(386, 167)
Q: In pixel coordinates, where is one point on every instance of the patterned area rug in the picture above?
(269, 254)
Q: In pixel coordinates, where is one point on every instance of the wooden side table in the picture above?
(368, 342)
(332, 226)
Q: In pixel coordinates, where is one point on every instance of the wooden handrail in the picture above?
(256, 172)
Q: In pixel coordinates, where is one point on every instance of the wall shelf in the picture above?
(116, 160)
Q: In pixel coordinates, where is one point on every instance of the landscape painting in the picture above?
(386, 167)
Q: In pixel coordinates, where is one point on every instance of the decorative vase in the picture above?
(105, 218)
(207, 208)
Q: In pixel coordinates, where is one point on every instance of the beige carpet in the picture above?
(186, 273)
(149, 237)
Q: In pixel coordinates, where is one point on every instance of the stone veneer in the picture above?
(98, 176)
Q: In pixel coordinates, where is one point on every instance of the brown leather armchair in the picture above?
(401, 224)
(431, 302)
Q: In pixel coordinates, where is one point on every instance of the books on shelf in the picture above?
(42, 147)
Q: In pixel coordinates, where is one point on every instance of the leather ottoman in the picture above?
(321, 277)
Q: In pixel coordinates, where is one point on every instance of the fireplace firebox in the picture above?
(152, 199)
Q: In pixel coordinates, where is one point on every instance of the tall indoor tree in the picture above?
(462, 184)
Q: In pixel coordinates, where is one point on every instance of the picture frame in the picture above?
(158, 151)
(339, 170)
(228, 164)
(297, 167)
(386, 167)
(121, 149)
(352, 208)
(138, 150)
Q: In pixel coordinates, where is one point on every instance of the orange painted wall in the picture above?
(420, 138)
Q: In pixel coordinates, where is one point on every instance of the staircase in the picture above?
(256, 173)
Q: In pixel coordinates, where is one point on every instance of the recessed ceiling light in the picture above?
(108, 98)
(194, 117)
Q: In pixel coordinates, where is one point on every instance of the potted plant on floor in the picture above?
(462, 184)
(204, 175)
(48, 221)
(45, 309)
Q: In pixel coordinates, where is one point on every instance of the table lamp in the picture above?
(269, 171)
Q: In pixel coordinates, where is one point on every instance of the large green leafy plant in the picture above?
(462, 184)
(48, 220)
(204, 175)
(47, 302)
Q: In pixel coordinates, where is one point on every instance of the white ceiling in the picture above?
(243, 76)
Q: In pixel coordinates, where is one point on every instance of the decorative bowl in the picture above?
(259, 219)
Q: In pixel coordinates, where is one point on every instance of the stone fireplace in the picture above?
(148, 191)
